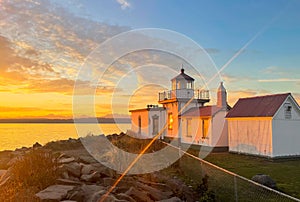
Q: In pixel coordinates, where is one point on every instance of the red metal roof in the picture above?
(202, 111)
(261, 106)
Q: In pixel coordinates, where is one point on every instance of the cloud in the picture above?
(124, 4)
(281, 71)
(42, 41)
(279, 80)
(212, 50)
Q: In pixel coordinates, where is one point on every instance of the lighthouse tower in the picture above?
(178, 100)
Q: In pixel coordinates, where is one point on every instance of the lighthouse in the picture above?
(182, 97)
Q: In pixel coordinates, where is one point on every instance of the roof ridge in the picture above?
(262, 96)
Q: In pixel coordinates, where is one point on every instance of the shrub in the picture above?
(33, 172)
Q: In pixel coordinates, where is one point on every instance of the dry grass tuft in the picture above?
(33, 172)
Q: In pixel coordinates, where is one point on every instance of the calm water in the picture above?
(17, 135)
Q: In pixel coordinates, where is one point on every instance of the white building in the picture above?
(183, 115)
(266, 126)
(206, 126)
(148, 122)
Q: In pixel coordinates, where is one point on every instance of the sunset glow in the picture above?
(43, 44)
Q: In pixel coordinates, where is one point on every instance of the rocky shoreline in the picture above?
(79, 177)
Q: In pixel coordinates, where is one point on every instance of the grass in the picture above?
(286, 172)
(35, 171)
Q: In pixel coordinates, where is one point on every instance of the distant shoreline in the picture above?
(83, 120)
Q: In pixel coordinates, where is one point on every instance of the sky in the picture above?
(48, 47)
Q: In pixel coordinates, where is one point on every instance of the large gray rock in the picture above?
(98, 195)
(90, 168)
(138, 195)
(54, 192)
(73, 168)
(68, 201)
(87, 159)
(155, 194)
(93, 177)
(264, 180)
(68, 182)
(173, 199)
(90, 190)
(122, 196)
(66, 160)
(160, 186)
(107, 172)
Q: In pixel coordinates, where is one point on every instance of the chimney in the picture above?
(222, 96)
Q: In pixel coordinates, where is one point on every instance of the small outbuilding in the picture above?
(148, 122)
(265, 126)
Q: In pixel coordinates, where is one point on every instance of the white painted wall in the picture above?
(196, 125)
(250, 136)
(295, 110)
(219, 137)
(145, 122)
(286, 132)
(217, 131)
(286, 137)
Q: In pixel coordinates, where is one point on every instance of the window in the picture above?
(155, 124)
(174, 85)
(205, 126)
(288, 111)
(170, 122)
(140, 124)
(189, 127)
(189, 85)
(178, 85)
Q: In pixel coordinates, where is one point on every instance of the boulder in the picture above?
(54, 192)
(87, 159)
(89, 190)
(68, 182)
(122, 196)
(66, 160)
(265, 180)
(73, 168)
(93, 177)
(76, 195)
(107, 172)
(160, 186)
(175, 185)
(98, 195)
(90, 168)
(68, 201)
(138, 195)
(155, 194)
(125, 182)
(173, 199)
